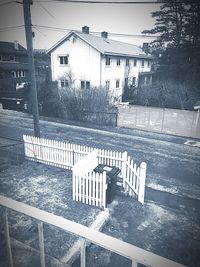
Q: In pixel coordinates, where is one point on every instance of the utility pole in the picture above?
(29, 42)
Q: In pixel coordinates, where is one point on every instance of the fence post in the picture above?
(124, 159)
(143, 167)
(83, 254)
(104, 187)
(8, 244)
(41, 244)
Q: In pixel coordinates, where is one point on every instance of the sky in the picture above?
(113, 18)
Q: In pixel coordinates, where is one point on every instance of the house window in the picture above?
(117, 83)
(107, 85)
(21, 73)
(142, 63)
(133, 81)
(126, 82)
(11, 57)
(63, 60)
(127, 61)
(118, 61)
(14, 74)
(148, 63)
(64, 83)
(108, 61)
(82, 84)
(135, 62)
(18, 74)
(85, 84)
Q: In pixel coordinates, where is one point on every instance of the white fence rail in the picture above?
(135, 254)
(66, 155)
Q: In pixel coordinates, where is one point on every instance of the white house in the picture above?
(93, 61)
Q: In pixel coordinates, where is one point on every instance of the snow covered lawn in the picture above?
(47, 188)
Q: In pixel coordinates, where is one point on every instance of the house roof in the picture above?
(9, 47)
(105, 46)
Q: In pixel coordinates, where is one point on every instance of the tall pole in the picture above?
(29, 42)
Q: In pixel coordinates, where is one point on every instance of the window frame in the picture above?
(107, 84)
(142, 63)
(63, 60)
(117, 83)
(86, 85)
(11, 56)
(108, 60)
(127, 62)
(64, 83)
(118, 61)
(135, 62)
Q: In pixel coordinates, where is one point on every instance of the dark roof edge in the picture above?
(128, 55)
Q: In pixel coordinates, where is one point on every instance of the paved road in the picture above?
(168, 224)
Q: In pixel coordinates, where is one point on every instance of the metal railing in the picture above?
(135, 254)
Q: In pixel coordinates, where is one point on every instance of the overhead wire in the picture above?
(104, 2)
(94, 32)
(10, 2)
(10, 28)
(45, 9)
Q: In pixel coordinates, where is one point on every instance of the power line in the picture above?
(45, 9)
(4, 29)
(10, 2)
(104, 2)
(94, 32)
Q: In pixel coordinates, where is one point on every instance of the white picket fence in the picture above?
(89, 187)
(67, 155)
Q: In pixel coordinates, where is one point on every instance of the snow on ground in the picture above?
(47, 188)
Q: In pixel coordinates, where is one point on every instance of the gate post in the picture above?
(124, 159)
(143, 168)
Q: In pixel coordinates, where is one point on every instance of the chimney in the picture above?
(145, 48)
(16, 45)
(104, 34)
(86, 29)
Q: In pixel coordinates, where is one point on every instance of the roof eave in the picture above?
(127, 55)
(50, 50)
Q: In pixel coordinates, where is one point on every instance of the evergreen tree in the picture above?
(178, 29)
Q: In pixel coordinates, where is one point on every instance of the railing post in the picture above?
(41, 244)
(8, 244)
(134, 263)
(83, 254)
(143, 167)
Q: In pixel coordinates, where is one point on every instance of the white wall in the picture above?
(84, 61)
(87, 64)
(114, 72)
